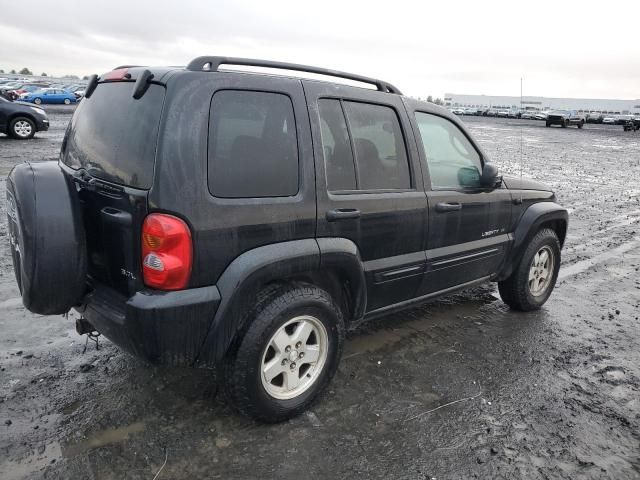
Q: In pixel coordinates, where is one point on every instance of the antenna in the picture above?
(521, 127)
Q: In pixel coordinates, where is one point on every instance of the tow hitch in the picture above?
(85, 328)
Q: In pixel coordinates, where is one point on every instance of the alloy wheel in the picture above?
(541, 271)
(294, 357)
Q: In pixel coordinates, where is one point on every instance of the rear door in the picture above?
(369, 185)
(109, 151)
(468, 227)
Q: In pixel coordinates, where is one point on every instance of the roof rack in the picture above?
(212, 64)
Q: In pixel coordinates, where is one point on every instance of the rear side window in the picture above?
(381, 154)
(253, 149)
(364, 150)
(113, 136)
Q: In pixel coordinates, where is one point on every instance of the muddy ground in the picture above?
(461, 388)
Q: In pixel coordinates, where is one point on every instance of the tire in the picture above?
(47, 238)
(564, 124)
(22, 128)
(67, 101)
(517, 290)
(277, 318)
(581, 124)
(548, 124)
(37, 101)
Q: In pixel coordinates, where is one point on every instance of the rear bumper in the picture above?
(166, 328)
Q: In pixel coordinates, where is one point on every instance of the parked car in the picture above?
(458, 110)
(491, 112)
(564, 118)
(542, 115)
(609, 120)
(623, 119)
(29, 87)
(633, 124)
(595, 117)
(21, 121)
(502, 113)
(49, 95)
(216, 218)
(514, 113)
(528, 114)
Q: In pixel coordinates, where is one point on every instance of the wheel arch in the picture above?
(535, 218)
(15, 115)
(331, 264)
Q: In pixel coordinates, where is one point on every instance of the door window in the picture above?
(369, 153)
(452, 160)
(336, 145)
(381, 155)
(253, 149)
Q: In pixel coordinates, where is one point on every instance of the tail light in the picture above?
(166, 252)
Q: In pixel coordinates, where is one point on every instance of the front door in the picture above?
(369, 185)
(468, 227)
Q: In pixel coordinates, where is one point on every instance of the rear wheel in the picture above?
(548, 124)
(37, 101)
(581, 124)
(22, 128)
(289, 351)
(67, 101)
(533, 280)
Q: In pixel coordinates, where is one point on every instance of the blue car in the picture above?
(49, 95)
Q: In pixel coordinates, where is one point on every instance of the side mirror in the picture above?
(490, 177)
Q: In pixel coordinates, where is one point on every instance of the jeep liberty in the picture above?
(242, 221)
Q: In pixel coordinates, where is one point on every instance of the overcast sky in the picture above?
(560, 48)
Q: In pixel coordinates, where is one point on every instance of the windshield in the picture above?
(113, 136)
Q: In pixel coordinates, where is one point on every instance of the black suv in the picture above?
(564, 118)
(243, 221)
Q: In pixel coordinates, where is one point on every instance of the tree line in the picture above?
(26, 71)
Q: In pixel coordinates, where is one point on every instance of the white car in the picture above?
(458, 111)
(609, 120)
(502, 113)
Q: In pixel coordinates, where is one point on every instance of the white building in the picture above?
(544, 103)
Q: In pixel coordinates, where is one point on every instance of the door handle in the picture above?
(343, 214)
(448, 207)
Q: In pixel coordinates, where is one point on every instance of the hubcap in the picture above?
(294, 357)
(22, 128)
(541, 271)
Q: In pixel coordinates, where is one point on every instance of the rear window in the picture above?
(114, 137)
(253, 148)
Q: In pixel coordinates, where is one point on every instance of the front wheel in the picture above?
(67, 101)
(37, 101)
(581, 124)
(548, 124)
(22, 128)
(533, 280)
(289, 351)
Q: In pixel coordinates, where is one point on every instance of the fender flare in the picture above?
(273, 262)
(528, 225)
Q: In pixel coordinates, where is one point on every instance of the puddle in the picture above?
(28, 466)
(102, 438)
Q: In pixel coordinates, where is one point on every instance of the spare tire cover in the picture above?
(47, 238)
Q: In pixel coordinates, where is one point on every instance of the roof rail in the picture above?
(212, 64)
